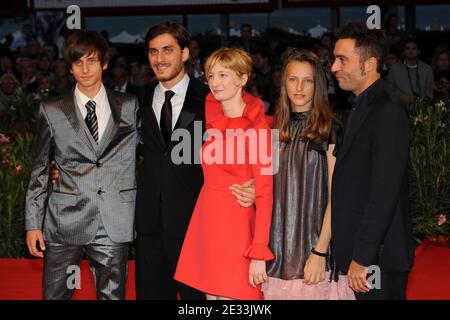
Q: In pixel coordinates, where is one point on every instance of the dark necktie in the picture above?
(166, 117)
(91, 119)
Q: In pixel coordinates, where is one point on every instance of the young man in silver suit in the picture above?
(91, 134)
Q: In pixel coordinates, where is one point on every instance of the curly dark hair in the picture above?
(175, 29)
(368, 42)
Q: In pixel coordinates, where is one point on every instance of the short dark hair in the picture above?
(175, 29)
(83, 42)
(410, 39)
(246, 25)
(368, 42)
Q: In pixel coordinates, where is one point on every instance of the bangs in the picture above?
(81, 50)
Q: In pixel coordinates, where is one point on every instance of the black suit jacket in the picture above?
(166, 190)
(371, 219)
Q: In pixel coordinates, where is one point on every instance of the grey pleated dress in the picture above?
(300, 200)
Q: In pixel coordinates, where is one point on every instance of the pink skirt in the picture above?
(278, 289)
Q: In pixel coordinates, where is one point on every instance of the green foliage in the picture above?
(15, 167)
(430, 169)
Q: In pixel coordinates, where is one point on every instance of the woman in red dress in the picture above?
(226, 246)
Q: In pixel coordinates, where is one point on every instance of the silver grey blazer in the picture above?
(96, 181)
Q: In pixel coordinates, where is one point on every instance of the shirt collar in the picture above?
(83, 99)
(356, 101)
(180, 88)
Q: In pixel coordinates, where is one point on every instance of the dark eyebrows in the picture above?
(163, 48)
(339, 56)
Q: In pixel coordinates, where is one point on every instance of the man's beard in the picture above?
(169, 77)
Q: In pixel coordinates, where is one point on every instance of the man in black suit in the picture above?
(120, 81)
(371, 220)
(168, 190)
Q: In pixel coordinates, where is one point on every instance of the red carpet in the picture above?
(429, 278)
(22, 278)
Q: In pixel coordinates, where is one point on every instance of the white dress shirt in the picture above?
(122, 89)
(177, 100)
(102, 108)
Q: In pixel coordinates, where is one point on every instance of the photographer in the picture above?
(441, 86)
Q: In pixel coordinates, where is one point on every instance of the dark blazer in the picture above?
(132, 89)
(371, 219)
(168, 190)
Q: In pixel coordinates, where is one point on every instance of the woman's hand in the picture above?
(244, 193)
(315, 268)
(257, 272)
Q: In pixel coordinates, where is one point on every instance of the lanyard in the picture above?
(415, 91)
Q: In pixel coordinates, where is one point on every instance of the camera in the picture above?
(440, 85)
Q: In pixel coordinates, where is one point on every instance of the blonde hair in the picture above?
(234, 59)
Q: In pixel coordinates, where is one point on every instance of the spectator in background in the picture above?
(44, 63)
(63, 81)
(33, 49)
(8, 86)
(120, 81)
(392, 57)
(51, 50)
(410, 79)
(6, 64)
(246, 40)
(262, 71)
(22, 37)
(147, 74)
(6, 43)
(195, 68)
(394, 35)
(441, 60)
(324, 54)
(28, 75)
(45, 85)
(275, 88)
(136, 76)
(442, 86)
(328, 40)
(253, 89)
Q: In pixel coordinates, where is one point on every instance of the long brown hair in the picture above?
(318, 126)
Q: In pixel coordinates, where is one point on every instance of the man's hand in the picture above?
(315, 268)
(357, 278)
(257, 272)
(34, 236)
(54, 172)
(245, 193)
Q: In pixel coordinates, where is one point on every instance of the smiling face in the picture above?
(87, 71)
(300, 85)
(347, 66)
(167, 59)
(225, 84)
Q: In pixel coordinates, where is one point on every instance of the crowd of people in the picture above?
(37, 67)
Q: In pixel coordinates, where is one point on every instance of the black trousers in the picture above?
(393, 287)
(156, 261)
